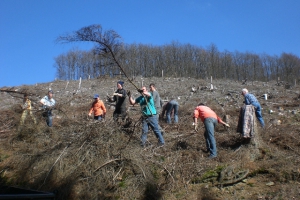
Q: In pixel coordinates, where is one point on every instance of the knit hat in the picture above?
(121, 83)
(50, 91)
(96, 96)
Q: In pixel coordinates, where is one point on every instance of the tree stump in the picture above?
(254, 144)
(247, 127)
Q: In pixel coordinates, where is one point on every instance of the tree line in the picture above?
(174, 60)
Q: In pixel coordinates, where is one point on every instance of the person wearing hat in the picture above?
(98, 108)
(119, 98)
(149, 118)
(210, 120)
(26, 109)
(250, 99)
(48, 104)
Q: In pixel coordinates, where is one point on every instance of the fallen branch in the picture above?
(117, 174)
(106, 164)
(54, 164)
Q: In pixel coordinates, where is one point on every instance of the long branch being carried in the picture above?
(108, 44)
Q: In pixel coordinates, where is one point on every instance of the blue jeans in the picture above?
(172, 106)
(153, 123)
(159, 127)
(210, 140)
(258, 113)
(49, 118)
(98, 117)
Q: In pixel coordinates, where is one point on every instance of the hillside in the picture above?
(78, 158)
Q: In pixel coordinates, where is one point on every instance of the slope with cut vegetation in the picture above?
(79, 158)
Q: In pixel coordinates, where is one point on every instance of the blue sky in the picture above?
(28, 28)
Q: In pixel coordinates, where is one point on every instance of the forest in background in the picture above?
(178, 60)
(78, 158)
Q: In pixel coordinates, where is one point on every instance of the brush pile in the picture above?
(79, 158)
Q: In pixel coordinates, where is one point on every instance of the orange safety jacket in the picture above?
(98, 108)
(204, 112)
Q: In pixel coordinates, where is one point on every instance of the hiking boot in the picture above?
(212, 157)
(161, 144)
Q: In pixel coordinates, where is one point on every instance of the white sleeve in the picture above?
(52, 102)
(43, 100)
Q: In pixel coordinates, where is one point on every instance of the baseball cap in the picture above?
(121, 83)
(96, 96)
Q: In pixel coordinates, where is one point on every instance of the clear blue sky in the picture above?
(28, 28)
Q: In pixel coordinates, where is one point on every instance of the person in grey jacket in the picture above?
(171, 107)
(157, 103)
(156, 98)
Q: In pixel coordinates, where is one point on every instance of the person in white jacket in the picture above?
(48, 104)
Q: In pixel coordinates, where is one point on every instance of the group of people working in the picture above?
(151, 105)
(47, 103)
(210, 120)
(151, 108)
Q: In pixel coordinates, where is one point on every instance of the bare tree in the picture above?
(290, 66)
(108, 43)
(110, 56)
(226, 65)
(60, 66)
(213, 61)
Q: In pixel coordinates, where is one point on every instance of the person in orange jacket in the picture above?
(210, 120)
(98, 108)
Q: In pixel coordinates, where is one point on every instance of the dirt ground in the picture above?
(79, 158)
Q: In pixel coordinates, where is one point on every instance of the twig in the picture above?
(106, 164)
(166, 170)
(142, 170)
(54, 164)
(80, 147)
(117, 173)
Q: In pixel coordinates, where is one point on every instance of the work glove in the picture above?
(140, 90)
(196, 127)
(129, 93)
(116, 94)
(227, 125)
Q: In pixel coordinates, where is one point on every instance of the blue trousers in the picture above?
(172, 106)
(49, 118)
(153, 123)
(210, 140)
(258, 113)
(98, 117)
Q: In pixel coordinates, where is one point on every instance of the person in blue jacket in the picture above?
(250, 99)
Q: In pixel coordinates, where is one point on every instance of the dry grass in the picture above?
(80, 159)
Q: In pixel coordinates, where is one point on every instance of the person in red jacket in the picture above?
(210, 120)
(98, 108)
